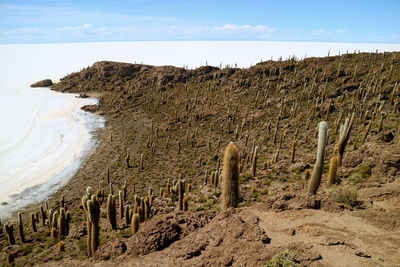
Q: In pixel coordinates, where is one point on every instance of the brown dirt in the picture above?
(147, 107)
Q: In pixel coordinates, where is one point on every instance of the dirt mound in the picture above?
(157, 234)
(288, 201)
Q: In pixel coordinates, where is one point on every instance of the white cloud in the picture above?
(325, 32)
(243, 28)
(318, 32)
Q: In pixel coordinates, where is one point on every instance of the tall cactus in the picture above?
(9, 229)
(33, 222)
(88, 224)
(121, 204)
(94, 218)
(230, 181)
(111, 212)
(181, 191)
(344, 135)
(62, 223)
(319, 163)
(21, 228)
(43, 215)
(254, 162)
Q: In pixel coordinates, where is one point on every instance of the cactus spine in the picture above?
(230, 181)
(333, 166)
(319, 164)
(21, 228)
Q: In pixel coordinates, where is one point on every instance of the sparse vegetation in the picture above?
(283, 259)
(344, 195)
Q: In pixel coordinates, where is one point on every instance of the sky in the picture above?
(46, 21)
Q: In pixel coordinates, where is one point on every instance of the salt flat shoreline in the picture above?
(29, 198)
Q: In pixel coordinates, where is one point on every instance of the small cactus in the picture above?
(185, 204)
(61, 246)
(135, 223)
(333, 166)
(230, 187)
(53, 231)
(307, 174)
(293, 151)
(127, 158)
(10, 258)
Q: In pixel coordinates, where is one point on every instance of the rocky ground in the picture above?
(181, 120)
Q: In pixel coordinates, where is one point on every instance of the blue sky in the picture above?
(147, 20)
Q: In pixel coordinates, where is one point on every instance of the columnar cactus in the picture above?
(111, 212)
(181, 191)
(121, 204)
(147, 209)
(94, 218)
(230, 181)
(127, 221)
(127, 158)
(306, 174)
(85, 200)
(254, 162)
(293, 151)
(33, 222)
(62, 201)
(319, 164)
(67, 221)
(135, 223)
(333, 166)
(62, 223)
(344, 135)
(43, 215)
(9, 229)
(185, 204)
(10, 258)
(21, 228)
(61, 246)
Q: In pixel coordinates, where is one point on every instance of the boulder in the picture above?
(43, 83)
